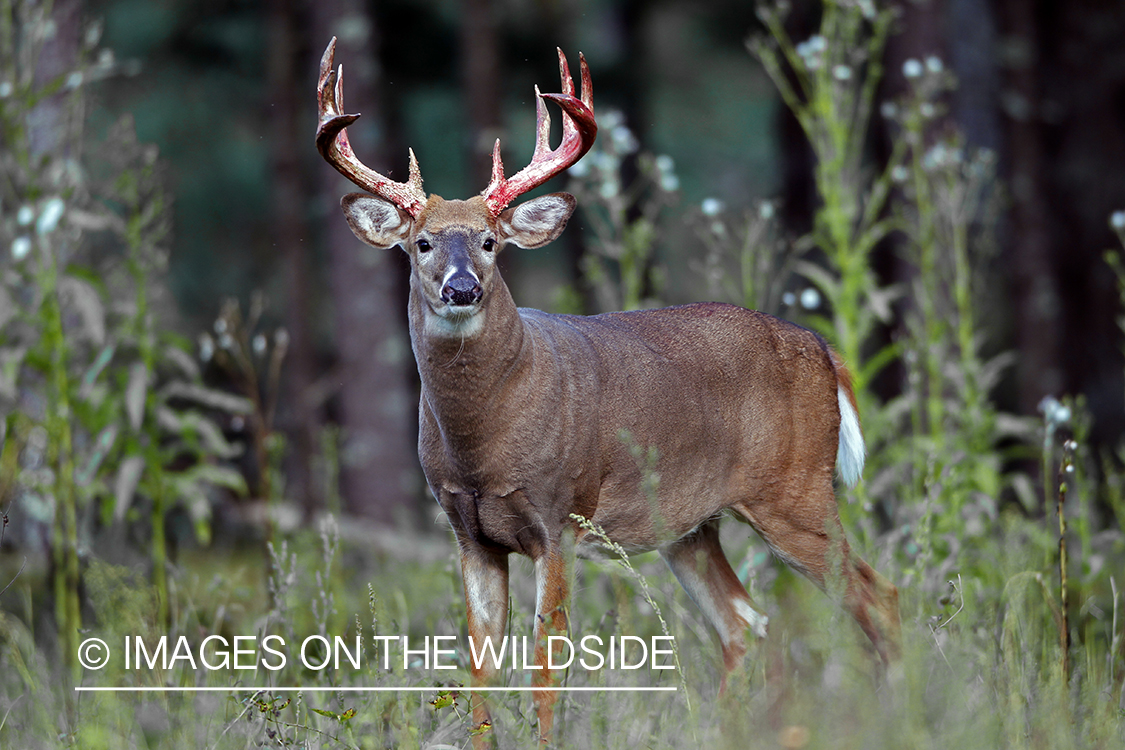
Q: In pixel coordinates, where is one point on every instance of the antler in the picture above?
(578, 132)
(332, 142)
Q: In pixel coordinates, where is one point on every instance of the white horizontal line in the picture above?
(91, 689)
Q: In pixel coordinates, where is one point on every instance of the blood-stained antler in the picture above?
(332, 142)
(578, 132)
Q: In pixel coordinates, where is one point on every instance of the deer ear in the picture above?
(536, 222)
(375, 221)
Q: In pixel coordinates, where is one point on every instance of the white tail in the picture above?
(851, 452)
(523, 413)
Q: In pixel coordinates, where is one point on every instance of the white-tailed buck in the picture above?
(522, 412)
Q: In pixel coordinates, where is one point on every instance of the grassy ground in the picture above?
(982, 666)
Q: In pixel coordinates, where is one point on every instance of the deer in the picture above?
(522, 413)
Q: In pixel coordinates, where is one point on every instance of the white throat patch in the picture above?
(454, 325)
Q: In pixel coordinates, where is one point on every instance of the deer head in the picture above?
(453, 244)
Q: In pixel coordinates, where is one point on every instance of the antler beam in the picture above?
(332, 142)
(578, 132)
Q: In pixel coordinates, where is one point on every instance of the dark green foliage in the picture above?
(106, 423)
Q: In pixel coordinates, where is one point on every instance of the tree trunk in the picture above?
(1035, 292)
(376, 405)
(971, 31)
(1081, 73)
(480, 63)
(290, 232)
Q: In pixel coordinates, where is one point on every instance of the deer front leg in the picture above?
(485, 577)
(552, 590)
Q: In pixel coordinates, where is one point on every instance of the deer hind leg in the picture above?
(698, 562)
(804, 530)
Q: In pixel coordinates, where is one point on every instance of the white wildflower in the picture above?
(5, 89)
(810, 298)
(811, 50)
(940, 156)
(842, 72)
(766, 210)
(665, 167)
(912, 68)
(936, 157)
(711, 206)
(934, 64)
(93, 34)
(21, 247)
(206, 347)
(259, 344)
(1117, 220)
(1055, 412)
(25, 215)
(888, 110)
(624, 142)
(49, 217)
(603, 161)
(611, 119)
(788, 299)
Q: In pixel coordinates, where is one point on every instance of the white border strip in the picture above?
(368, 689)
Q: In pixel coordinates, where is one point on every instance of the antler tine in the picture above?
(542, 127)
(579, 131)
(569, 128)
(332, 142)
(587, 83)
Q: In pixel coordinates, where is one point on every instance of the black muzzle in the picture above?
(461, 291)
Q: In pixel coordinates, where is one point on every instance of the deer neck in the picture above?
(464, 373)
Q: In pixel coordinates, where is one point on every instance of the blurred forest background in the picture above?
(225, 89)
(193, 345)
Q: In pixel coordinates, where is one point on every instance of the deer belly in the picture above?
(649, 514)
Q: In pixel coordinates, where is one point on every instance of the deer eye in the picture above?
(423, 246)
(489, 245)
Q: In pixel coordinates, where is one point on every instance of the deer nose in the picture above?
(461, 290)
